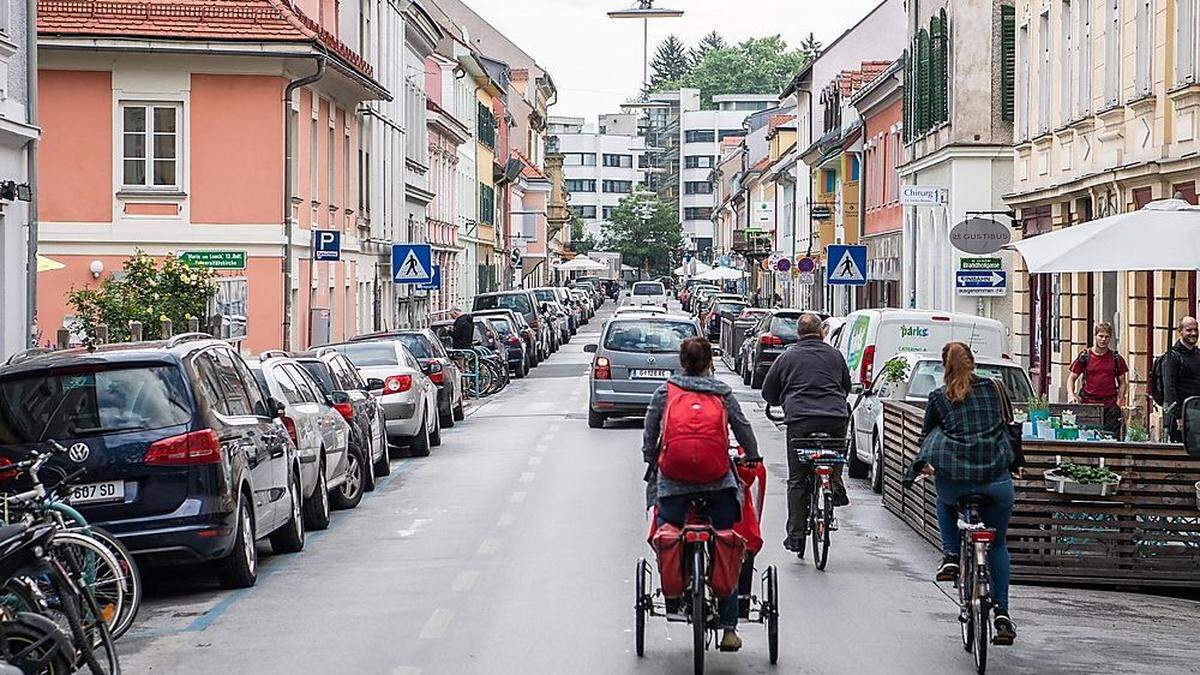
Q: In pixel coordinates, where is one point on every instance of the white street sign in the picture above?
(921, 195)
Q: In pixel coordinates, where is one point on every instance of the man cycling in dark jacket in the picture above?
(811, 381)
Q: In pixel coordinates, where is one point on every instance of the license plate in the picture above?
(96, 493)
(641, 374)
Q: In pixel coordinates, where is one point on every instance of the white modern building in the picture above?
(18, 128)
(599, 168)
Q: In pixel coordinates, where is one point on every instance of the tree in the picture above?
(756, 66)
(582, 240)
(709, 43)
(811, 47)
(645, 231)
(144, 292)
(670, 62)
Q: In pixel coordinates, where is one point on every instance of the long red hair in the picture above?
(959, 365)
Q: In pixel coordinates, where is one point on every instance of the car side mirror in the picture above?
(591, 349)
(1191, 426)
(374, 384)
(276, 407)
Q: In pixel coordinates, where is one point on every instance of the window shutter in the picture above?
(923, 84)
(908, 89)
(944, 62)
(1008, 61)
(937, 91)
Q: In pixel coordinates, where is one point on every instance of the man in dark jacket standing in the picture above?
(811, 381)
(1181, 376)
(463, 333)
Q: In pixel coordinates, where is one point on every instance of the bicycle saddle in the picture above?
(977, 501)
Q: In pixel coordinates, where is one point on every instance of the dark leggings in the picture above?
(723, 509)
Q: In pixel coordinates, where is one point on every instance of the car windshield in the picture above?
(515, 301)
(648, 289)
(502, 326)
(784, 326)
(78, 403)
(319, 372)
(367, 354)
(645, 335)
(730, 307)
(546, 295)
(927, 376)
(416, 344)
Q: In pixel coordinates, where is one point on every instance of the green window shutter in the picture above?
(1008, 62)
(937, 91)
(944, 66)
(923, 87)
(906, 62)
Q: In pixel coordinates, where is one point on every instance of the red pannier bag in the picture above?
(727, 562)
(694, 438)
(667, 542)
(748, 525)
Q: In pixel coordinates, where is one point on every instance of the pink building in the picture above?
(164, 130)
(880, 102)
(446, 133)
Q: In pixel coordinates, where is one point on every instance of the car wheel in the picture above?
(746, 373)
(447, 416)
(290, 537)
(369, 483)
(383, 467)
(520, 371)
(876, 466)
(857, 468)
(596, 419)
(349, 494)
(418, 446)
(435, 437)
(459, 413)
(757, 377)
(316, 507)
(239, 569)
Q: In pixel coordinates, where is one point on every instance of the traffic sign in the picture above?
(215, 260)
(821, 212)
(514, 257)
(783, 264)
(847, 265)
(327, 245)
(412, 263)
(977, 264)
(981, 283)
(806, 264)
(435, 282)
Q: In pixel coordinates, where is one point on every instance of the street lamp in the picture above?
(645, 10)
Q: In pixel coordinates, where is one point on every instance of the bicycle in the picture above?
(975, 578)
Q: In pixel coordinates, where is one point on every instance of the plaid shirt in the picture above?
(965, 442)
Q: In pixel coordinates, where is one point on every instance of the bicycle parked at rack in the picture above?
(482, 372)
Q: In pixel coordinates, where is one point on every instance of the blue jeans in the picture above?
(995, 516)
(723, 510)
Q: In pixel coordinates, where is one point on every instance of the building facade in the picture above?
(880, 105)
(1107, 119)
(599, 168)
(447, 134)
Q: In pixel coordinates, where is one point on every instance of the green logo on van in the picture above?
(914, 331)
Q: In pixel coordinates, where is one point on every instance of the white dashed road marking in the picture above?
(518, 497)
(437, 624)
(527, 477)
(465, 581)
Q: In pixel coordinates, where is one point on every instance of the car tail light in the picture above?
(397, 383)
(770, 340)
(983, 536)
(437, 374)
(514, 340)
(345, 410)
(197, 447)
(867, 367)
(602, 368)
(290, 425)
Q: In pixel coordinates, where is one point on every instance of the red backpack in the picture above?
(695, 443)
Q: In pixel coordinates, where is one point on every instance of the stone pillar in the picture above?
(557, 213)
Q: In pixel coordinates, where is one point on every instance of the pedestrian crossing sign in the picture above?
(412, 264)
(847, 265)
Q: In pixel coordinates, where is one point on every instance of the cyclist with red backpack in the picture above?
(686, 445)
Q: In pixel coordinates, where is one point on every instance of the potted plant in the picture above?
(1069, 478)
(1039, 408)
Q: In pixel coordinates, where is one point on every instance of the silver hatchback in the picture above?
(635, 355)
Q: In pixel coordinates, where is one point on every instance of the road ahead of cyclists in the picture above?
(511, 550)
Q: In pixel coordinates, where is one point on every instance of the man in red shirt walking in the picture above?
(1105, 380)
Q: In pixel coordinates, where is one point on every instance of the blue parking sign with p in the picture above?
(412, 264)
(435, 282)
(327, 245)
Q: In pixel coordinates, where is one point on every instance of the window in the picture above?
(642, 336)
(1145, 46)
(1084, 58)
(587, 212)
(313, 150)
(617, 186)
(1112, 54)
(487, 204)
(579, 185)
(727, 133)
(255, 396)
(698, 162)
(696, 213)
(926, 80)
(486, 125)
(150, 145)
(237, 395)
(829, 179)
(699, 136)
(619, 161)
(854, 168)
(1185, 41)
(1023, 102)
(1044, 76)
(1064, 63)
(697, 187)
(643, 161)
(346, 170)
(608, 211)
(330, 160)
(579, 159)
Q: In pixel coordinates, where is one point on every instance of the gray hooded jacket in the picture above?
(661, 486)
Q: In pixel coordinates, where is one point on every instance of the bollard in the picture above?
(164, 330)
(102, 334)
(193, 325)
(64, 338)
(135, 331)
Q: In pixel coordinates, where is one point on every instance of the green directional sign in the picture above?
(978, 264)
(215, 260)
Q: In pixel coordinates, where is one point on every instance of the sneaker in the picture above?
(1006, 630)
(730, 642)
(949, 568)
(794, 545)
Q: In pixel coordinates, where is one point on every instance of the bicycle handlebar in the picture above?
(771, 417)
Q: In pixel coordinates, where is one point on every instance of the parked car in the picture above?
(347, 390)
(922, 374)
(525, 303)
(589, 288)
(581, 296)
(639, 309)
(487, 336)
(648, 293)
(775, 331)
(691, 292)
(321, 435)
(441, 370)
(635, 355)
(700, 298)
(408, 396)
(528, 336)
(517, 363)
(186, 459)
(722, 306)
(555, 317)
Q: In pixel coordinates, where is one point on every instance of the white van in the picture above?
(869, 338)
(648, 293)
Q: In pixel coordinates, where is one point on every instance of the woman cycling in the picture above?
(721, 497)
(967, 450)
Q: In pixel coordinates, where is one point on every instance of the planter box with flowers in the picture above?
(1069, 478)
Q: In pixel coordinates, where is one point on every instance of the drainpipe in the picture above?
(289, 142)
(31, 155)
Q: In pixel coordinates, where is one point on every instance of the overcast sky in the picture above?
(597, 62)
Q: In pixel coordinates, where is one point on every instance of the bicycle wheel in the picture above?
(639, 609)
(133, 581)
(698, 626)
(981, 613)
(95, 569)
(966, 574)
(89, 628)
(821, 544)
(772, 596)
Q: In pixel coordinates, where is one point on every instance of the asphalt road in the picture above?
(511, 550)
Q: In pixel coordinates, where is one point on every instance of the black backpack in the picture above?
(1157, 391)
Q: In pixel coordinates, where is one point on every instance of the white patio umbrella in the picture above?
(582, 264)
(1165, 235)
(691, 268)
(721, 274)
